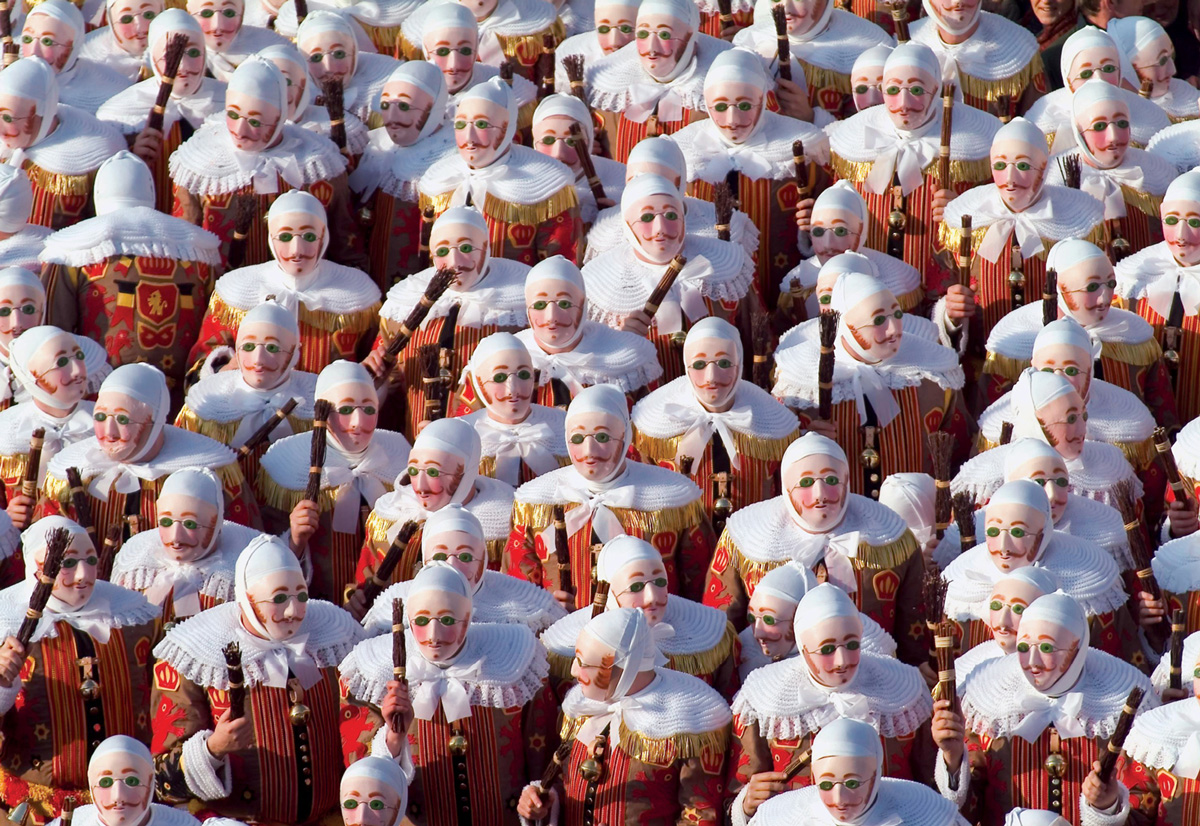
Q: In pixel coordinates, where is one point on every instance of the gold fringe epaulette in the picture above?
(752, 447)
(560, 665)
(357, 322)
(698, 664)
(385, 38)
(1009, 368)
(376, 528)
(1139, 355)
(510, 213)
(1142, 201)
(948, 238)
(13, 467)
(1139, 454)
(223, 432)
(1013, 87)
(525, 115)
(57, 490)
(271, 494)
(818, 77)
(487, 464)
(972, 172)
(408, 51)
(660, 751)
(56, 183)
(909, 300)
(514, 45)
(680, 518)
(874, 557)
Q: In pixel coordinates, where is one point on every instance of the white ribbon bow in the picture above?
(1041, 711)
(265, 405)
(1105, 186)
(868, 386)
(685, 297)
(1188, 763)
(474, 304)
(123, 477)
(836, 550)
(995, 240)
(1160, 293)
(97, 624)
(277, 657)
(594, 506)
(264, 177)
(905, 156)
(647, 98)
(182, 582)
(436, 686)
(701, 424)
(475, 182)
(512, 444)
(58, 436)
(615, 713)
(828, 705)
(723, 157)
(353, 484)
(559, 366)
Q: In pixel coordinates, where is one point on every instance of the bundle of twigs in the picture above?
(1146, 89)
(1050, 298)
(301, 11)
(545, 67)
(506, 71)
(562, 550)
(80, 503)
(783, 48)
(941, 446)
(1178, 632)
(428, 216)
(725, 14)
(964, 518)
(108, 553)
(399, 654)
(245, 208)
(899, 12)
(933, 592)
(379, 580)
(584, 153)
(555, 769)
(573, 64)
(33, 465)
(176, 46)
(56, 546)
(723, 206)
(1127, 504)
(263, 433)
(316, 455)
(434, 290)
(1179, 488)
(1071, 169)
(760, 335)
(827, 326)
(334, 93)
(664, 285)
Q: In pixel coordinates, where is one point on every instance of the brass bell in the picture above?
(299, 714)
(1120, 245)
(678, 337)
(1016, 278)
(457, 744)
(1056, 766)
(366, 215)
(723, 506)
(90, 689)
(590, 770)
(1172, 356)
(870, 458)
(897, 219)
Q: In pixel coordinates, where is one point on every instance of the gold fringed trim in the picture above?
(514, 45)
(707, 662)
(1142, 201)
(972, 172)
(357, 322)
(384, 37)
(1009, 368)
(909, 300)
(58, 184)
(376, 528)
(752, 447)
(524, 115)
(13, 467)
(271, 494)
(818, 77)
(983, 444)
(1140, 454)
(224, 432)
(1013, 86)
(676, 519)
(410, 52)
(660, 751)
(873, 557)
(510, 213)
(487, 464)
(948, 238)
(560, 665)
(57, 490)
(1139, 355)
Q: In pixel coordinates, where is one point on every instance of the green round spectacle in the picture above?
(444, 249)
(828, 649)
(861, 89)
(207, 13)
(1016, 533)
(431, 472)
(827, 785)
(465, 556)
(662, 35)
(402, 105)
(1023, 166)
(347, 409)
(166, 522)
(550, 140)
(122, 418)
(193, 52)
(670, 215)
(280, 599)
(840, 232)
(24, 309)
(63, 361)
(501, 377)
(997, 605)
(700, 364)
(1172, 220)
(563, 304)
(1044, 647)
(638, 587)
(1087, 74)
(915, 91)
(744, 106)
(880, 320)
(809, 481)
(446, 621)
(479, 123)
(71, 561)
(624, 28)
(351, 804)
(601, 437)
(287, 237)
(445, 51)
(1101, 125)
(270, 347)
(825, 299)
(1096, 285)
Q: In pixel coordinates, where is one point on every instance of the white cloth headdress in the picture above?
(559, 270)
(123, 182)
(21, 352)
(128, 746)
(183, 581)
(1058, 704)
(567, 106)
(287, 52)
(1091, 37)
(442, 683)
(430, 80)
(450, 519)
(843, 197)
(67, 13)
(625, 631)
(323, 20)
(475, 181)
(872, 58)
(787, 582)
(384, 771)
(263, 81)
(1106, 186)
(596, 497)
(659, 150)
(911, 496)
(847, 737)
(685, 12)
(1034, 817)
(1024, 451)
(147, 385)
(1031, 495)
(740, 66)
(32, 78)
(1034, 390)
(458, 438)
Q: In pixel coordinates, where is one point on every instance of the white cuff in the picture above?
(379, 748)
(223, 351)
(737, 815)
(947, 327)
(207, 777)
(1091, 816)
(941, 776)
(305, 558)
(1164, 534)
(552, 818)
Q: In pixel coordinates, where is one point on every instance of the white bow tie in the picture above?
(435, 686)
(125, 478)
(724, 157)
(867, 384)
(1041, 711)
(685, 297)
(905, 156)
(595, 506)
(354, 484)
(1160, 293)
(516, 443)
(475, 182)
(1105, 186)
(995, 240)
(702, 423)
(278, 657)
(836, 550)
(182, 581)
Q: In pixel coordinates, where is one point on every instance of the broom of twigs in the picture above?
(555, 769)
(574, 64)
(760, 334)
(1071, 169)
(264, 432)
(584, 153)
(783, 48)
(545, 67)
(11, 50)
(600, 598)
(1108, 760)
(33, 465)
(723, 206)
(176, 45)
(1126, 503)
(379, 580)
(1050, 298)
(933, 590)
(245, 208)
(941, 446)
(664, 285)
(108, 553)
(434, 290)
(428, 216)
(899, 12)
(399, 653)
(1179, 488)
(334, 93)
(56, 546)
(301, 11)
(316, 454)
(964, 517)
(1006, 431)
(237, 681)
(1178, 632)
(79, 500)
(827, 325)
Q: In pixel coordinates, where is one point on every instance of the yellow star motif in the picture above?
(41, 731)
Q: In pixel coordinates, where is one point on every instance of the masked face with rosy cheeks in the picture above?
(834, 231)
(264, 353)
(552, 137)
(405, 110)
(867, 86)
(453, 51)
(1155, 62)
(877, 324)
(367, 801)
(713, 370)
(296, 241)
(251, 122)
(130, 23)
(1045, 651)
(1103, 62)
(661, 42)
(59, 368)
(297, 80)
(460, 550)
(480, 8)
(554, 325)
(77, 576)
(802, 15)
(1017, 172)
(50, 39)
(1064, 421)
(956, 13)
(1009, 599)
(1087, 289)
(330, 55)
(461, 248)
(280, 602)
(831, 649)
(1105, 128)
(435, 475)
(908, 96)
(817, 487)
(1052, 475)
(1013, 533)
(479, 130)
(658, 224)
(122, 789)
(596, 444)
(1181, 231)
(122, 424)
(438, 621)
(20, 309)
(1072, 363)
(845, 785)
(191, 65)
(506, 385)
(593, 667)
(355, 416)
(19, 121)
(185, 526)
(642, 585)
(771, 618)
(220, 20)
(614, 26)
(735, 108)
